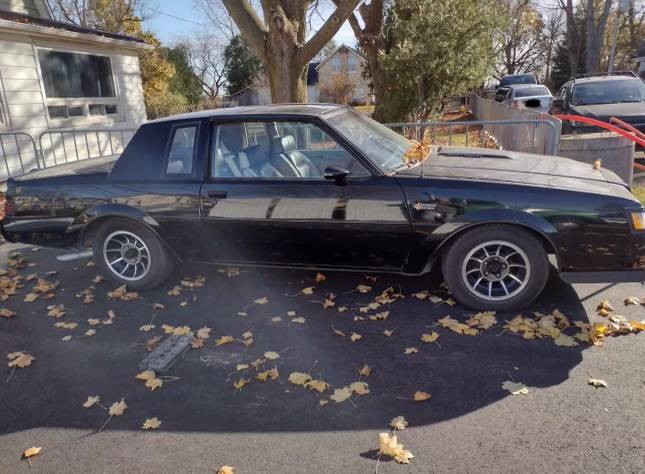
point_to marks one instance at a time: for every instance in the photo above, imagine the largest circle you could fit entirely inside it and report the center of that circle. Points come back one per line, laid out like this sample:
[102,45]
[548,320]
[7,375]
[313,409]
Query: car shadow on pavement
[462,373]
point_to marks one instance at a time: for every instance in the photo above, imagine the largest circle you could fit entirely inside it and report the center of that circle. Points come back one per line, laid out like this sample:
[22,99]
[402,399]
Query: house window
[335,63]
[77,84]
[352,64]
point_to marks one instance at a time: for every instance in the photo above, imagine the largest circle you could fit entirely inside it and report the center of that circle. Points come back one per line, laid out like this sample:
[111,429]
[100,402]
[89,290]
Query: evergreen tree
[184,82]
[242,65]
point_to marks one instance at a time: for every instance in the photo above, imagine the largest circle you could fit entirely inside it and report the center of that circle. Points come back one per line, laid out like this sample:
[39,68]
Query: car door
[267,201]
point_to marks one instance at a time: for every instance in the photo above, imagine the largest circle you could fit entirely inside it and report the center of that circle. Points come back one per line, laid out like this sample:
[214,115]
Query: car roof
[316,110]
[519,75]
[584,80]
[525,86]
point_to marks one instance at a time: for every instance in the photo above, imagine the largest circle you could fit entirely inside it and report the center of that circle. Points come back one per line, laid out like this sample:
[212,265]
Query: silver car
[534,97]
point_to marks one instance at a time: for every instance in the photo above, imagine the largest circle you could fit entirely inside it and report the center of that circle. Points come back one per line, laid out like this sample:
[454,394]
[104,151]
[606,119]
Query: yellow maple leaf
[118,408]
[390,446]
[91,401]
[365,371]
[7,313]
[380,316]
[31,297]
[272,374]
[56,311]
[318,385]
[299,378]
[203,333]
[398,423]
[430,337]
[420,396]
[597,383]
[154,383]
[146,375]
[239,384]
[341,394]
[224,340]
[226,470]
[271,355]
[151,424]
[359,388]
[564,340]
[308,291]
[181,331]
[516,388]
[31,452]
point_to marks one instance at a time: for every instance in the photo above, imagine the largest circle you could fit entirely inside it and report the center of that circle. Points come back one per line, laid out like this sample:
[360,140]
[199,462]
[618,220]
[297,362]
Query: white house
[57,76]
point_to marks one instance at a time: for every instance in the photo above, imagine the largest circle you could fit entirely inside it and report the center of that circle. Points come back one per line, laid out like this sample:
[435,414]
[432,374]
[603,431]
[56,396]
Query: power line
[178,17]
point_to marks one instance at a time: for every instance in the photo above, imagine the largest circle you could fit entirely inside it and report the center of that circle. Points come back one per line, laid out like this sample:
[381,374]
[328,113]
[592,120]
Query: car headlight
[638,219]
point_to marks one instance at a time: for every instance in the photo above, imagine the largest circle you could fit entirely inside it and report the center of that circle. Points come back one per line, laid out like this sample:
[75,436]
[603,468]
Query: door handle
[217,194]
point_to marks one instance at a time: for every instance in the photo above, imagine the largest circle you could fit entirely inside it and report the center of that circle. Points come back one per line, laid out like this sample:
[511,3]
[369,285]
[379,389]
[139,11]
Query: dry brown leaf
[31,452]
[299,320]
[338,332]
[20,359]
[364,288]
[90,332]
[67,338]
[154,383]
[197,343]
[240,367]
[564,340]
[318,385]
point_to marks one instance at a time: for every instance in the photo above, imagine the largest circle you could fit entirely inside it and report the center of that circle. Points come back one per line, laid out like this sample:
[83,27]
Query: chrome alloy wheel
[496,270]
[126,255]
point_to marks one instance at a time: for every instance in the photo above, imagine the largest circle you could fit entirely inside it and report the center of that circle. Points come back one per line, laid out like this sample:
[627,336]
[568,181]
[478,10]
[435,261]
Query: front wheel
[497,267]
[131,254]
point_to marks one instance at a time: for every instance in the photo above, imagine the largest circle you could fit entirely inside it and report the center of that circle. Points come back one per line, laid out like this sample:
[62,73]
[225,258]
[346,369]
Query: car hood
[630,112]
[518,168]
[89,166]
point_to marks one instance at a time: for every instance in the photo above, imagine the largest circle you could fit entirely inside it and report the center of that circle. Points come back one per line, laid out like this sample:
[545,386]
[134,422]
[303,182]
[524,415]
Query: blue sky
[174,19]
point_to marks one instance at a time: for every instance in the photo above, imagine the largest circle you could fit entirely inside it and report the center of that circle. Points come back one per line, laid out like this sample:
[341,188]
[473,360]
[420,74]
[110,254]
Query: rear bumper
[634,276]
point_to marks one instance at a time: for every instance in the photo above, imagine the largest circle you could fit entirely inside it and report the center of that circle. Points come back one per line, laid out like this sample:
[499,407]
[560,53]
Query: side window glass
[278,150]
[182,151]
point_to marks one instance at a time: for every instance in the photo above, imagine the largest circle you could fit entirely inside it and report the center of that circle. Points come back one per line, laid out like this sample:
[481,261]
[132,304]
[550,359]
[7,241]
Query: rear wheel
[131,254]
[500,268]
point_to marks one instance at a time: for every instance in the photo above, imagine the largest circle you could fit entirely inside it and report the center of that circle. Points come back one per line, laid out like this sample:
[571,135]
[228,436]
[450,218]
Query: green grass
[639,192]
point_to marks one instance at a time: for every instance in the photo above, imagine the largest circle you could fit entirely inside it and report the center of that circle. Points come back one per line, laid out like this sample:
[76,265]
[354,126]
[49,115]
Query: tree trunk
[288,82]
[595,34]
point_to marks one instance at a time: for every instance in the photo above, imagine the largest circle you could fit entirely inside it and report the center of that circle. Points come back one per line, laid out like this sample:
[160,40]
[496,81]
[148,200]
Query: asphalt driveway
[470,423]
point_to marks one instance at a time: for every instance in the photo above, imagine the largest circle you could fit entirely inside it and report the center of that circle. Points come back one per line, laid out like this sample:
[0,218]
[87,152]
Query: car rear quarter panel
[586,232]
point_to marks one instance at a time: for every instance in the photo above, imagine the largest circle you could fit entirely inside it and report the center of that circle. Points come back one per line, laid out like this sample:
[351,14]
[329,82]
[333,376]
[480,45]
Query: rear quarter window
[181,152]
[143,157]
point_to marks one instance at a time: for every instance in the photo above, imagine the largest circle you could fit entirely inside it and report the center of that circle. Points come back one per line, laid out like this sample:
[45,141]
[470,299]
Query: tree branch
[249,24]
[327,31]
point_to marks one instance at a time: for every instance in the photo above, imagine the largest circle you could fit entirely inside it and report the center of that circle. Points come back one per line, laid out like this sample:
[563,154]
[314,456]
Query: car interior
[277,150]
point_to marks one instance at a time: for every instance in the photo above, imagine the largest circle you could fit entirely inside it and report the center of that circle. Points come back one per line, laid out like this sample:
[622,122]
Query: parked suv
[601,97]
[510,80]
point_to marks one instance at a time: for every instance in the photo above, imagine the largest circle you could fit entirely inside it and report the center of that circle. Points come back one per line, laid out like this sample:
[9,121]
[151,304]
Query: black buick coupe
[314,186]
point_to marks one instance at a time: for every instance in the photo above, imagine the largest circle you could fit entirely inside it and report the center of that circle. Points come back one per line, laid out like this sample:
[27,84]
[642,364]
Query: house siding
[25,104]
[326,72]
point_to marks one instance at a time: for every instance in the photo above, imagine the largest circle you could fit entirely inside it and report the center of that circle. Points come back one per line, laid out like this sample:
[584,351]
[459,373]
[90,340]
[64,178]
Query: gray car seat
[291,162]
[252,161]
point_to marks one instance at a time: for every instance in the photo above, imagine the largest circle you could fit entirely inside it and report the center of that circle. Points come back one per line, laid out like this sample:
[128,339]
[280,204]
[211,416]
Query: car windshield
[382,146]
[520,79]
[609,92]
[531,91]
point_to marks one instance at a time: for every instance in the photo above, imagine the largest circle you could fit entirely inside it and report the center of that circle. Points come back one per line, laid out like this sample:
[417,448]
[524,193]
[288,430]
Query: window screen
[73,75]
[180,156]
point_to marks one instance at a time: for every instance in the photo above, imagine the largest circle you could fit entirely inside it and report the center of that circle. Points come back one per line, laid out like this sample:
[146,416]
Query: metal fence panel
[18,154]
[64,146]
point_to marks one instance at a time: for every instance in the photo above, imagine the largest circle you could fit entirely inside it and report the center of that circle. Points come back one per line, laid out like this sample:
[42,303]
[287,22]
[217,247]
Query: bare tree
[280,39]
[339,89]
[595,33]
[207,59]
[111,16]
[552,34]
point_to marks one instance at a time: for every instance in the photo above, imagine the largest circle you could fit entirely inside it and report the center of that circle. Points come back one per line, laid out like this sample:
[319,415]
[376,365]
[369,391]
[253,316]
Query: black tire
[460,279]
[160,262]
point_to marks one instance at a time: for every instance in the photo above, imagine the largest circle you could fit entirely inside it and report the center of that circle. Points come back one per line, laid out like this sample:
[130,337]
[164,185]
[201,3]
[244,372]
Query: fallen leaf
[67,338]
[421,295]
[380,316]
[90,332]
[276,319]
[118,408]
[308,291]
[299,320]
[224,340]
[398,423]
[151,424]
[263,300]
[31,297]
[20,359]
[318,385]
[147,327]
[56,311]
[93,321]
[239,384]
[411,350]
[564,340]
[430,337]
[355,337]
[31,452]
[390,446]
[271,355]
[338,332]
[204,333]
[240,367]
[272,374]
[154,383]
[365,371]
[388,332]
[364,288]
[319,278]
[97,279]
[420,396]
[197,343]
[341,394]
[516,388]
[181,331]
[323,402]
[359,388]
[7,313]
[226,470]
[156,306]
[299,378]
[632,300]
[91,401]
[146,375]
[597,383]
[604,308]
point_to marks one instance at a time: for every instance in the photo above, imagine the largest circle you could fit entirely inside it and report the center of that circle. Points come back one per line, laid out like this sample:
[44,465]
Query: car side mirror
[339,175]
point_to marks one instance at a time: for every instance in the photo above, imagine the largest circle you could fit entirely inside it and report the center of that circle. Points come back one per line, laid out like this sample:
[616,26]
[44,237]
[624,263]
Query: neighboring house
[640,60]
[257,93]
[313,92]
[57,76]
[348,62]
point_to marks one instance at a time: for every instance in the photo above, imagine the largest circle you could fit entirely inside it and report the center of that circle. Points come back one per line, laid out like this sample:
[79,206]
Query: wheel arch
[91,221]
[541,229]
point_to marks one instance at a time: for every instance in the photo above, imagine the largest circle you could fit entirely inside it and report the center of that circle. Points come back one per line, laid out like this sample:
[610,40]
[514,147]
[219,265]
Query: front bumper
[633,276]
